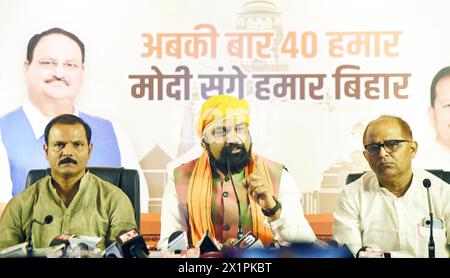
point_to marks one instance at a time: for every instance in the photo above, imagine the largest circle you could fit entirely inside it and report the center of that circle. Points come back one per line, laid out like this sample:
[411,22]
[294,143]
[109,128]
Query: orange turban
[220,108]
[214,111]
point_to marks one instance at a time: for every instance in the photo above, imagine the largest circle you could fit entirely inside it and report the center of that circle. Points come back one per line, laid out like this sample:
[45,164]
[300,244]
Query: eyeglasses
[389,146]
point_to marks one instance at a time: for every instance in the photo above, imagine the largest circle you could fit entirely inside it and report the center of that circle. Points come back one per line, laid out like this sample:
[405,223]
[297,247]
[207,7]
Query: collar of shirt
[412,188]
[237,178]
[83,185]
[37,120]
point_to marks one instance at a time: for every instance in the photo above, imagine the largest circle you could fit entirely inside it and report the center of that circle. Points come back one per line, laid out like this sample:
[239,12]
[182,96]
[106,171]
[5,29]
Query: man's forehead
[67,130]
[230,123]
[384,129]
[58,44]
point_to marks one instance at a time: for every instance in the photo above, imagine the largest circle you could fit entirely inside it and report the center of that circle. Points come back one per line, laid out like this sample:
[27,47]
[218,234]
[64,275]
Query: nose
[382,152]
[68,150]
[232,137]
[58,71]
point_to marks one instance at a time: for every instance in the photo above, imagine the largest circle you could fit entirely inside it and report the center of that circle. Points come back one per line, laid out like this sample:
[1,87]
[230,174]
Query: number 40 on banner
[307,41]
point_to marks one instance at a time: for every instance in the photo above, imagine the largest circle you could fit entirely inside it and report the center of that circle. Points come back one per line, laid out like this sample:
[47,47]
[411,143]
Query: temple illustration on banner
[334,179]
[260,16]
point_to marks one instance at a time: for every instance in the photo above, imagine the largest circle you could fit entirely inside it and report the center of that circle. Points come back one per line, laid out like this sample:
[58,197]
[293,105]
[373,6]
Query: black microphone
[47,220]
[113,251]
[240,233]
[248,241]
[61,239]
[208,247]
[132,244]
[372,252]
[431,249]
[178,242]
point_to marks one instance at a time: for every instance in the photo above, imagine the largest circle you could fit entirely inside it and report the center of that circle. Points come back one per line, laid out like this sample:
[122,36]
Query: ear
[431,116]
[26,65]
[413,148]
[90,149]
[46,151]
[366,155]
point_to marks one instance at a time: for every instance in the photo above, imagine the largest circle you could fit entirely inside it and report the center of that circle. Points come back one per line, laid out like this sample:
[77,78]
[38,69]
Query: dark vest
[225,214]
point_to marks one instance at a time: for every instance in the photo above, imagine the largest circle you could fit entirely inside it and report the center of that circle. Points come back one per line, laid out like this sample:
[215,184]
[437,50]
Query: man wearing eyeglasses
[54,69]
[387,209]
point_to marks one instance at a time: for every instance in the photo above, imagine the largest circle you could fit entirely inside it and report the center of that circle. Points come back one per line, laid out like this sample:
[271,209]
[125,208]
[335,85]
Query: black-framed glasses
[388,145]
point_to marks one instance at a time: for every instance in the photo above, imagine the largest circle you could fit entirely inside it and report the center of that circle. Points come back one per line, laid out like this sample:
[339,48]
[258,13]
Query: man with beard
[76,201]
[387,209]
[229,191]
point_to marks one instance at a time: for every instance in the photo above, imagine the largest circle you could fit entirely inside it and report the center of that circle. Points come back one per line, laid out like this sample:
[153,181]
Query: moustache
[383,161]
[66,161]
[57,79]
[227,151]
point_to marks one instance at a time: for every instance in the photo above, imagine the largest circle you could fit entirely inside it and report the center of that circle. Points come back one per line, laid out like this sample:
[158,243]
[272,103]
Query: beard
[238,161]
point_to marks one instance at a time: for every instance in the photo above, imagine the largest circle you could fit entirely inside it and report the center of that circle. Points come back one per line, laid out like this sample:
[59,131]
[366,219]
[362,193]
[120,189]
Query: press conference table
[322,225]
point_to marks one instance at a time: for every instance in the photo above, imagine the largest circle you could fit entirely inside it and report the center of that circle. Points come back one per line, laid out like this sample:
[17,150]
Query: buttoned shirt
[38,122]
[370,215]
[99,209]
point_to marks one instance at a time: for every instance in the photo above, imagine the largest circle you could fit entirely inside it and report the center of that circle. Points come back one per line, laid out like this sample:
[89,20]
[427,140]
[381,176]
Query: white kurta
[369,215]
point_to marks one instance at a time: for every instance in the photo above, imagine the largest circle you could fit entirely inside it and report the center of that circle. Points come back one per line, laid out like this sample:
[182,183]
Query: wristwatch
[272,211]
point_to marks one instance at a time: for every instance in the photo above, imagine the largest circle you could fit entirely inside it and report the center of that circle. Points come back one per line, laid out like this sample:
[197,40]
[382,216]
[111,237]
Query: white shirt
[290,227]
[370,215]
[38,122]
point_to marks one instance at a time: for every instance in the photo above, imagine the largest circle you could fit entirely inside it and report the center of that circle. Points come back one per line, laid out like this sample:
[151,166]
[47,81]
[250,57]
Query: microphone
[75,246]
[431,249]
[47,220]
[113,251]
[61,239]
[372,252]
[240,233]
[208,247]
[178,242]
[132,244]
[248,241]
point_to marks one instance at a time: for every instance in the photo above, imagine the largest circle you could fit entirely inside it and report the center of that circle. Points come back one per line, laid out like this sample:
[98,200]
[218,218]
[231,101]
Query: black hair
[37,37]
[68,119]
[441,74]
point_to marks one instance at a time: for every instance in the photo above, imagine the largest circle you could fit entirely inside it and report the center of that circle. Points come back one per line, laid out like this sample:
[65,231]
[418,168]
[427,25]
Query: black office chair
[443,175]
[125,179]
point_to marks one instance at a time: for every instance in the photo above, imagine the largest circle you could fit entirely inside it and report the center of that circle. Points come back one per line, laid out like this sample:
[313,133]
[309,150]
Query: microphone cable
[240,233]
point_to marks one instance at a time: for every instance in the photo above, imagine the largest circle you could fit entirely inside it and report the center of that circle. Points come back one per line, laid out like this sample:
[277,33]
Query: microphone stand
[48,219]
[29,240]
[431,247]
[240,233]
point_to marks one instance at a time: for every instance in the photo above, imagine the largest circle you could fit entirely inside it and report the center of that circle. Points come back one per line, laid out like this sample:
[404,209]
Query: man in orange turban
[229,191]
